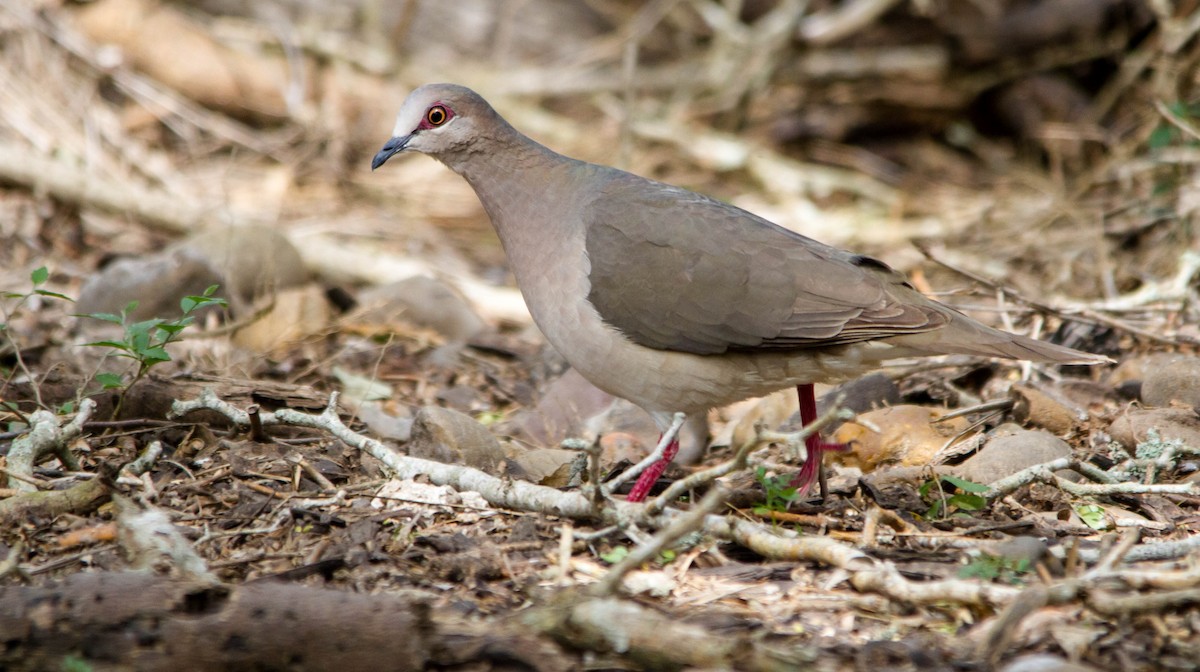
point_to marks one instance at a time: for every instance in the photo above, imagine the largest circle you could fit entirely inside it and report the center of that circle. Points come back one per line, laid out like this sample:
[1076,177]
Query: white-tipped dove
[676,301]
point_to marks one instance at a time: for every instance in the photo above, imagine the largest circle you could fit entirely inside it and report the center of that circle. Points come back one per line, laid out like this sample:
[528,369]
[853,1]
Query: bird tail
[964,336]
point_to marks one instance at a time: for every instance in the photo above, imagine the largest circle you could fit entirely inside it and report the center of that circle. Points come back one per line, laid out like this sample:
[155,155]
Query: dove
[676,301]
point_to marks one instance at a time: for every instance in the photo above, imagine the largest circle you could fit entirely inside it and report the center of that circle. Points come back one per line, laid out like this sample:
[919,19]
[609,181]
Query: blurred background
[149,149]
[1051,146]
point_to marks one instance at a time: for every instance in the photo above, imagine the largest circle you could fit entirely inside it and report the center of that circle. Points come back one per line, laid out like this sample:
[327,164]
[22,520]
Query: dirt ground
[357,450]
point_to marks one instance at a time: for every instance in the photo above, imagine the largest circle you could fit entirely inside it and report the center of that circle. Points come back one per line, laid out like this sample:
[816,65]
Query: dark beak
[391,147]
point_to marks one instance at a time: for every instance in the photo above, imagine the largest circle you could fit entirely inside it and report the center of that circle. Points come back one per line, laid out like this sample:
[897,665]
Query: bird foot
[647,479]
[813,448]
[811,471]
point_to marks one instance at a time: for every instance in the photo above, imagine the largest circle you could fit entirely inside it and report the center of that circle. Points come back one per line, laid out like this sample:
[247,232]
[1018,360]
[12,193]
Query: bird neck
[518,181]
[532,196]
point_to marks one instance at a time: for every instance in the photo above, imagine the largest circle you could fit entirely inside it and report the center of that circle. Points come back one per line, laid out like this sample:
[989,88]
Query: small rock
[248,262]
[156,282]
[1171,379]
[254,261]
[1010,449]
[908,437]
[1171,424]
[1034,407]
[422,301]
[454,438]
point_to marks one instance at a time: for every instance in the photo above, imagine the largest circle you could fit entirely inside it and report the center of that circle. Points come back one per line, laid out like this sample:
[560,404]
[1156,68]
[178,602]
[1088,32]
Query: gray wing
[674,270]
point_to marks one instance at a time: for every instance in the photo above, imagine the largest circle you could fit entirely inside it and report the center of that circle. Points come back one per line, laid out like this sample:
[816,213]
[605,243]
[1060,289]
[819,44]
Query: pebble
[448,436]
[1169,379]
[422,301]
[1010,449]
[1135,426]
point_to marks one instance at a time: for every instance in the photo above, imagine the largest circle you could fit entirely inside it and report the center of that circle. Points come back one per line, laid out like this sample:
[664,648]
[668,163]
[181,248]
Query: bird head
[435,119]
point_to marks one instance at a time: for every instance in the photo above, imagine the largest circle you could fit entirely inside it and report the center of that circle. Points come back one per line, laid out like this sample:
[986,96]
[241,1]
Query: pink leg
[815,445]
[650,476]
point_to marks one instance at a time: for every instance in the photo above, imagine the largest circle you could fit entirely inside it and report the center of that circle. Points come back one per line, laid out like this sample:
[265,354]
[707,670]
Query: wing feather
[675,270]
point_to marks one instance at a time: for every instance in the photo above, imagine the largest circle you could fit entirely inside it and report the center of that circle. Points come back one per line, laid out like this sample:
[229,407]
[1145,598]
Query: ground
[363,436]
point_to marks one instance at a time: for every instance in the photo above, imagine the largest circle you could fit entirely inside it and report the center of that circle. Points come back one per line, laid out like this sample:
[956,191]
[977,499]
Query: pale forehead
[414,107]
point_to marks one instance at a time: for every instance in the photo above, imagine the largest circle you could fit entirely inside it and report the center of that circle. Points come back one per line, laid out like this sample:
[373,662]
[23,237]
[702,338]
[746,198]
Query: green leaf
[104,317]
[154,355]
[963,484]
[487,418]
[119,345]
[1161,137]
[934,512]
[966,502]
[617,554]
[53,295]
[145,326]
[40,275]
[926,487]
[1093,516]
[110,381]
[191,303]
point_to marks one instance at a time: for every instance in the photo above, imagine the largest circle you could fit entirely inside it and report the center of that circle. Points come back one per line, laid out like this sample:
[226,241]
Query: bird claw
[813,449]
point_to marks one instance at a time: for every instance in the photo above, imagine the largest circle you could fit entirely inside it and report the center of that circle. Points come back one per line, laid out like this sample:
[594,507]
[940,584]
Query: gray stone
[1010,450]
[454,438]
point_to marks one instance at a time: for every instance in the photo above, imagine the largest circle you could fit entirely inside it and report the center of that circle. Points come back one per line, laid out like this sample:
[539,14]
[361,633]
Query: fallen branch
[80,500]
[45,437]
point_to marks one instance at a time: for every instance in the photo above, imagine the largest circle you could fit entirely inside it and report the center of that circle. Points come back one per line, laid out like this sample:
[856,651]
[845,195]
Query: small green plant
[37,278]
[996,568]
[145,342]
[779,490]
[963,497]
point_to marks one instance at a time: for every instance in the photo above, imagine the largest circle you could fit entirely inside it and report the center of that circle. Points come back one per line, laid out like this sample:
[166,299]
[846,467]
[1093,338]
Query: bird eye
[436,116]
